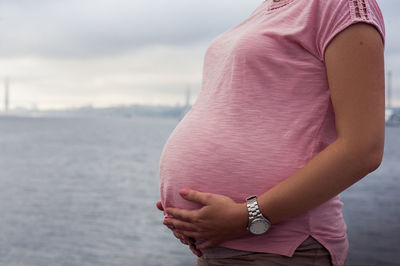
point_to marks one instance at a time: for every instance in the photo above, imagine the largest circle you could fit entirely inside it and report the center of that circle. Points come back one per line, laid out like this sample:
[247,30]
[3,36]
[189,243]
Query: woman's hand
[218,220]
[184,240]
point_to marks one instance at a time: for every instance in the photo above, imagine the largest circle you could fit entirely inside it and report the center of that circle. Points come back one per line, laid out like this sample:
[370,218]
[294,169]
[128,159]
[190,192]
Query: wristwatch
[258,224]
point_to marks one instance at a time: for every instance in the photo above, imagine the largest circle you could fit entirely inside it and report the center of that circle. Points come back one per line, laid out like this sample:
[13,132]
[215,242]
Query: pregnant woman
[290,114]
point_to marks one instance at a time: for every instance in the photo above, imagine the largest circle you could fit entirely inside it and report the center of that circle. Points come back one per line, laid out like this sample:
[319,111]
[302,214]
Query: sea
[82,191]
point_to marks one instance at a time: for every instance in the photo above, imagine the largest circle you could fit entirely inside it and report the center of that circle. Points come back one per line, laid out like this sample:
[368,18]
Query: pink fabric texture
[263,112]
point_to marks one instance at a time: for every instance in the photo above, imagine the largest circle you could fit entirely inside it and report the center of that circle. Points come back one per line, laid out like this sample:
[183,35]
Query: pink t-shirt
[263,112]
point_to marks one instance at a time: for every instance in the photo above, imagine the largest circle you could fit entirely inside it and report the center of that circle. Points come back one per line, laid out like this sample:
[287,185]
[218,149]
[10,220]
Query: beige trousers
[309,253]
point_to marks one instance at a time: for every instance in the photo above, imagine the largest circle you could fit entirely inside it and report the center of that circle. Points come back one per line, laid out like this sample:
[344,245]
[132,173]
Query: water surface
[81,191]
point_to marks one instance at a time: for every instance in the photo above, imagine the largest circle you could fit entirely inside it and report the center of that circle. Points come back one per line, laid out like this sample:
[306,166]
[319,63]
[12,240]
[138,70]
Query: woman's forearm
[330,172]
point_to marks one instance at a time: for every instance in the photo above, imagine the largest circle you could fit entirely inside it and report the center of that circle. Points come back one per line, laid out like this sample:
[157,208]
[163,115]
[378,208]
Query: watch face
[259,226]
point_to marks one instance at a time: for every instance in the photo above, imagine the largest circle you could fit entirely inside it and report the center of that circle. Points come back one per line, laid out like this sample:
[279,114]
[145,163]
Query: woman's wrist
[242,217]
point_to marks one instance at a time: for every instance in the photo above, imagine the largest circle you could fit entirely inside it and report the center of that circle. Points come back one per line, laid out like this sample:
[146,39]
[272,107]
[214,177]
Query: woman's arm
[355,69]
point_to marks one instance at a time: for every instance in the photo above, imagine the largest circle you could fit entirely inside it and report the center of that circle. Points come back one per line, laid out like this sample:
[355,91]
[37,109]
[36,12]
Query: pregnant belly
[214,157]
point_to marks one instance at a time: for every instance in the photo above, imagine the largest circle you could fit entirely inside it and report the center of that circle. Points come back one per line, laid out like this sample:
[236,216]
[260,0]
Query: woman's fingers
[196,196]
[188,241]
[184,240]
[179,225]
[176,234]
[192,234]
[195,250]
[205,244]
[159,206]
[182,214]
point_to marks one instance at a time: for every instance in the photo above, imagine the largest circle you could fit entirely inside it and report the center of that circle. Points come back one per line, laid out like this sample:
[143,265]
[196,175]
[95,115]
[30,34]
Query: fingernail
[165,222]
[184,191]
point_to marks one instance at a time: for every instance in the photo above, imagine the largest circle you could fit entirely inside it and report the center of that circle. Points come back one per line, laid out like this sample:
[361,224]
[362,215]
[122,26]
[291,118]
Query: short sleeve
[335,16]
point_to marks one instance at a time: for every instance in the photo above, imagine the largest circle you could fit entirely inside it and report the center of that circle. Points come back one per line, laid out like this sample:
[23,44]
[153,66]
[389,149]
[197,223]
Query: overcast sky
[66,53]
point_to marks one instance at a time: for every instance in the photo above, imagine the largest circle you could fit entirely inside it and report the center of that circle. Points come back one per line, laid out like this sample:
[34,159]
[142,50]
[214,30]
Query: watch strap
[254,211]
[252,207]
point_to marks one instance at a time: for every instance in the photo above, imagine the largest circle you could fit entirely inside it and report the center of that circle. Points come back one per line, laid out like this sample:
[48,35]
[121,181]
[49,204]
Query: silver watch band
[252,206]
[258,224]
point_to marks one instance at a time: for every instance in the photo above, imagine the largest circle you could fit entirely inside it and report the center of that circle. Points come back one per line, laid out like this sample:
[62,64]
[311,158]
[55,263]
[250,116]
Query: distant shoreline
[176,111]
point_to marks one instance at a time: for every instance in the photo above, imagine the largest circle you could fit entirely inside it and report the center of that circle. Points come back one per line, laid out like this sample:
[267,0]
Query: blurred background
[90,91]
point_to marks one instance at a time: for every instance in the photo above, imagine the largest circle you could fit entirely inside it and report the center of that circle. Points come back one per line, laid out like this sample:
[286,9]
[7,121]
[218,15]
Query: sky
[71,53]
